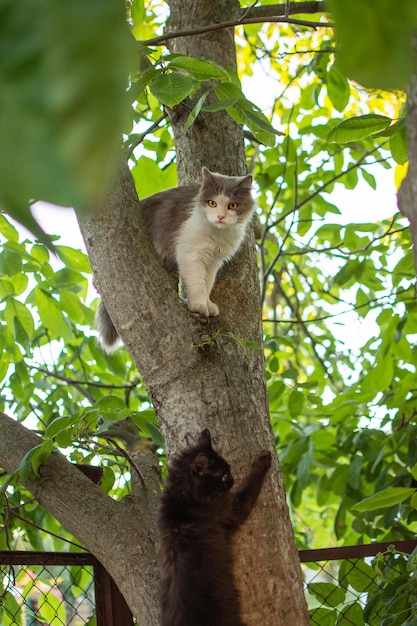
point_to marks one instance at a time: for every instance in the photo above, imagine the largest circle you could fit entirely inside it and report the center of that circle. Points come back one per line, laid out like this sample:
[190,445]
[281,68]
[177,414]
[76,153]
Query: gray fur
[192,238]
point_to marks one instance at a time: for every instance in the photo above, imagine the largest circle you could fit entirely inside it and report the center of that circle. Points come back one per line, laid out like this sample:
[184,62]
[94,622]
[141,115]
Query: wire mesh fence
[374,585]
[55,594]
[58,589]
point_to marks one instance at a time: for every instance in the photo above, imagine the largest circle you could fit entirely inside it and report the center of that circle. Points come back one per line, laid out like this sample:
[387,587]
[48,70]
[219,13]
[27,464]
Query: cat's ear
[246,182]
[200,465]
[207,176]
[204,440]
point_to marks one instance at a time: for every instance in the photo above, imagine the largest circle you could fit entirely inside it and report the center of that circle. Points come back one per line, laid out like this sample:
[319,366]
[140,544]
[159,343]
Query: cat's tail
[107,334]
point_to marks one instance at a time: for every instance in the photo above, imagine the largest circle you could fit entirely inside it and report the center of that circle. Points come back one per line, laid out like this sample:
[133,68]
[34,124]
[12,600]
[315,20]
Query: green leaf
[6,484]
[357,128]
[380,376]
[8,230]
[33,460]
[327,593]
[351,614]
[51,608]
[322,616]
[16,310]
[51,315]
[143,81]
[110,402]
[196,110]
[361,576]
[295,403]
[199,69]
[108,479]
[355,469]
[155,434]
[219,105]
[40,253]
[338,88]
[4,365]
[385,498]
[10,262]
[74,259]
[398,145]
[150,178]
[303,468]
[57,425]
[370,179]
[246,113]
[171,88]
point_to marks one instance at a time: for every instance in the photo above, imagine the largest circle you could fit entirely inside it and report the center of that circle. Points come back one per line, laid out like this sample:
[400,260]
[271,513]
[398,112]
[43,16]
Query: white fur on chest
[208,238]
[203,239]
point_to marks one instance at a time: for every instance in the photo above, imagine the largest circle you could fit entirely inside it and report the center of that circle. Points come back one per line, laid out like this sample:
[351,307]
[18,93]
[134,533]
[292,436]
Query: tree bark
[198,374]
[120,534]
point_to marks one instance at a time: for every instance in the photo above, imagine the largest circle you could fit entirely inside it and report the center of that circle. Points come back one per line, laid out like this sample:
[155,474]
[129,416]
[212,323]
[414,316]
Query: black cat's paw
[263,461]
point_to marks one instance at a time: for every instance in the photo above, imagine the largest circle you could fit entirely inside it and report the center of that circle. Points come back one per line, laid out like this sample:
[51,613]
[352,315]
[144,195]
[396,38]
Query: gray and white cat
[195,230]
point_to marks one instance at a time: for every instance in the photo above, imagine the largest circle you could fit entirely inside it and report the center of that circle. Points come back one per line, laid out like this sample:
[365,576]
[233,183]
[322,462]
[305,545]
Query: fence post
[111,607]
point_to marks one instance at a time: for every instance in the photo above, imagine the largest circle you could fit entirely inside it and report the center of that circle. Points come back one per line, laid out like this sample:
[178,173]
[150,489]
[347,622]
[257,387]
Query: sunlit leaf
[33,460]
[338,88]
[385,498]
[171,88]
[357,128]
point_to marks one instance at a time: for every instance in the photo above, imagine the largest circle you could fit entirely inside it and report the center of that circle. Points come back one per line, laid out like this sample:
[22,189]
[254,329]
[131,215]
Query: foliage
[376,45]
[63,106]
[343,410]
[364,592]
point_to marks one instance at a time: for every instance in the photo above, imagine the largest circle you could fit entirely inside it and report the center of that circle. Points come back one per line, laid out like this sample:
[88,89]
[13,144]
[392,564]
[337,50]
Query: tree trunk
[199,374]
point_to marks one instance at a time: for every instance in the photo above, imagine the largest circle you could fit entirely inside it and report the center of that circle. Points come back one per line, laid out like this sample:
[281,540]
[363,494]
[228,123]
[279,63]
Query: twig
[48,532]
[156,41]
[128,458]
[89,383]
[141,137]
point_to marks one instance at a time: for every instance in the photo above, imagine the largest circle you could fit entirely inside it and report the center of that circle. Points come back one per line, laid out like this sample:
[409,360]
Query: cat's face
[211,475]
[226,200]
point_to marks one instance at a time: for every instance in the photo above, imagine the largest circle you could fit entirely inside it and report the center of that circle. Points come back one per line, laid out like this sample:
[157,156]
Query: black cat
[197,518]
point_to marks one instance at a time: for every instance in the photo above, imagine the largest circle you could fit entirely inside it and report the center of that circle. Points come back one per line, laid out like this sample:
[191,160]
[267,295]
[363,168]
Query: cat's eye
[232,206]
[212,203]
[225,478]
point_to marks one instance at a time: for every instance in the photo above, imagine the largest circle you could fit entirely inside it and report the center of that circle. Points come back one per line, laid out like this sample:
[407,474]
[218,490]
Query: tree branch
[162,39]
[105,527]
[286,9]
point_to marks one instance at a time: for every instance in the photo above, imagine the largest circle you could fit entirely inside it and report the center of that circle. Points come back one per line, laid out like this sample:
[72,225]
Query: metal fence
[372,585]
[58,589]
[365,585]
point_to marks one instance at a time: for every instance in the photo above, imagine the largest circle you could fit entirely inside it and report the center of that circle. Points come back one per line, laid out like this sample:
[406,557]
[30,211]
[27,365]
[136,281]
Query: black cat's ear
[204,440]
[207,176]
[200,465]
[246,182]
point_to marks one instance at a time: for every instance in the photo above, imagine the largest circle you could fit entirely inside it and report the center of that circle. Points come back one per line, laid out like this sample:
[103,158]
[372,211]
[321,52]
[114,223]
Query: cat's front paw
[263,461]
[205,309]
[199,308]
[213,309]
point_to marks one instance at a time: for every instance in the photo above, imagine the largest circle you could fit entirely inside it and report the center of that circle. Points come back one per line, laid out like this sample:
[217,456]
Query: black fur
[197,518]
